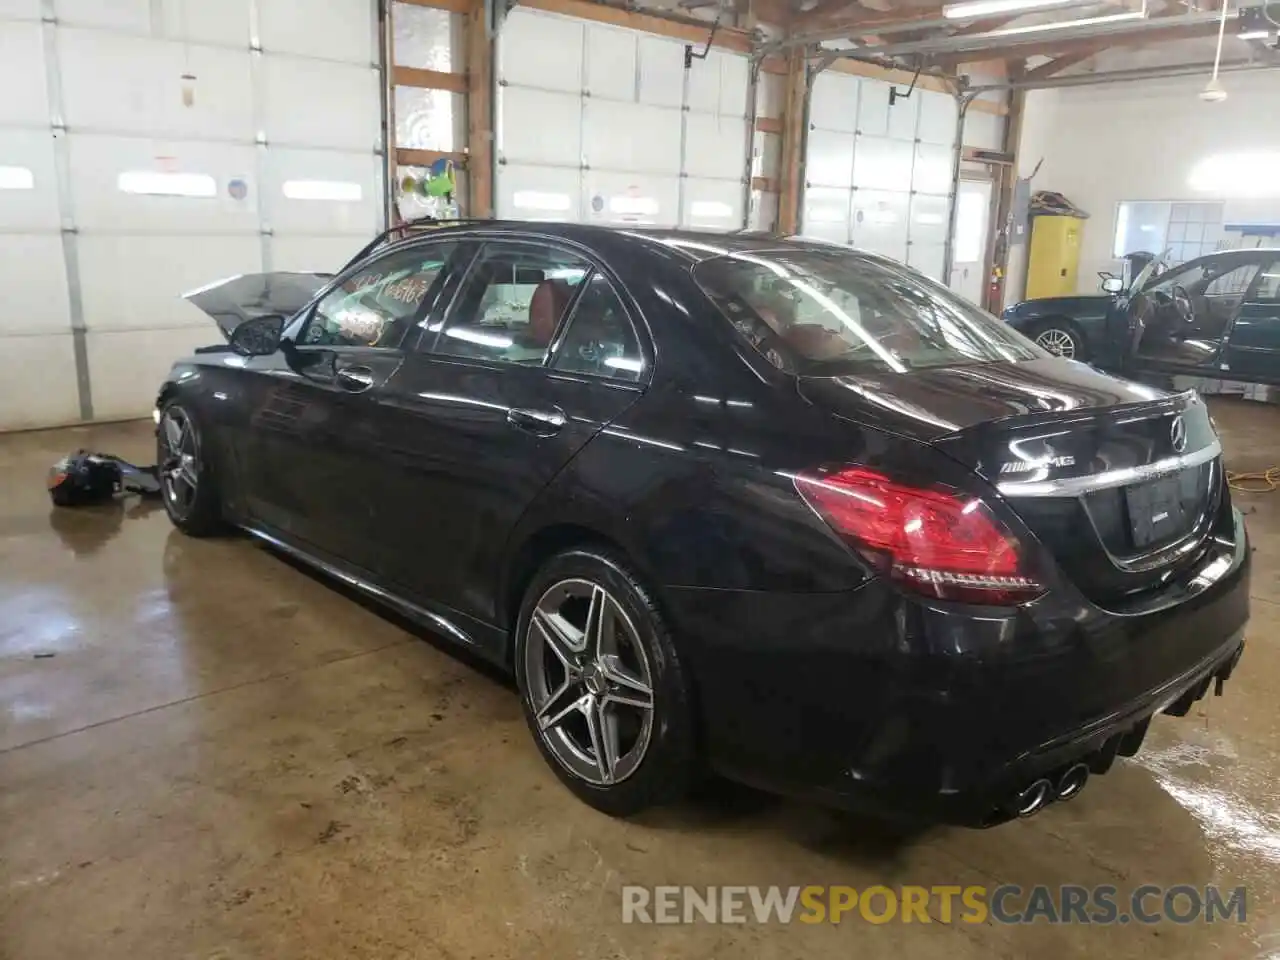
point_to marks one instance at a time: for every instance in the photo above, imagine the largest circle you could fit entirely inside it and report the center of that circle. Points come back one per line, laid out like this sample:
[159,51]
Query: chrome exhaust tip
[1073,781]
[1033,798]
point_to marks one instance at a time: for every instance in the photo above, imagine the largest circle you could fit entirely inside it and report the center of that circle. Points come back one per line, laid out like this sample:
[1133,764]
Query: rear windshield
[819,311]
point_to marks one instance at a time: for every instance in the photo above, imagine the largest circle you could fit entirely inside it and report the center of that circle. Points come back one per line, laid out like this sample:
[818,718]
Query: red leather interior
[545,307]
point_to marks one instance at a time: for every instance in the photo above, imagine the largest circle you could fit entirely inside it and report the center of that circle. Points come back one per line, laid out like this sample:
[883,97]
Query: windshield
[807,308]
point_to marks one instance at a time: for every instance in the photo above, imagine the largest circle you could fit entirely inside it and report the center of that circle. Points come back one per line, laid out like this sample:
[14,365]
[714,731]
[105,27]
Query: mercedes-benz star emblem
[1178,434]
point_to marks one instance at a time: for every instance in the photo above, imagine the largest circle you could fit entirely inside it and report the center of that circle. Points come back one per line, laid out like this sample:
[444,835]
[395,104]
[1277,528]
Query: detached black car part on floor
[780,507]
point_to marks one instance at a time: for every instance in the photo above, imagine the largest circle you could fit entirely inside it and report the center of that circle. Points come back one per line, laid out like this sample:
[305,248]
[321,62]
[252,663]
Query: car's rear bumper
[869,700]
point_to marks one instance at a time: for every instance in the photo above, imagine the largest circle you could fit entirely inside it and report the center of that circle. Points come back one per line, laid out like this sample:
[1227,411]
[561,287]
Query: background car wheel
[187,485]
[602,687]
[1061,339]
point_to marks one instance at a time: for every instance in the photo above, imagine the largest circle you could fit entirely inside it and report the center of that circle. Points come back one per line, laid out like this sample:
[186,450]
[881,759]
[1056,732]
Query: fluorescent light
[990,8]
[537,200]
[710,208]
[16,178]
[634,206]
[1254,35]
[929,219]
[154,183]
[1067,24]
[340,190]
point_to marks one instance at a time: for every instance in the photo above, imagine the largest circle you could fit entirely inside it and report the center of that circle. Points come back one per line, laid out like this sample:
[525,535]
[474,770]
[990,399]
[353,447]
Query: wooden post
[1004,202]
[794,104]
[479,113]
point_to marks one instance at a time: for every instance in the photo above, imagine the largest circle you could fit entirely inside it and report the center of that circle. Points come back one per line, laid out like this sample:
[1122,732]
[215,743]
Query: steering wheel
[1182,302]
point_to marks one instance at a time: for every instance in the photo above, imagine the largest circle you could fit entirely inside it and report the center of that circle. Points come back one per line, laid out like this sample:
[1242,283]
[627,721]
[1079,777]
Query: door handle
[354,379]
[543,422]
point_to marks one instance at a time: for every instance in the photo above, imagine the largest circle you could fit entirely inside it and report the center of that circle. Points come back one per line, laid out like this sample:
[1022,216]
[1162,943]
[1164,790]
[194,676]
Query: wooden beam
[1029,45]
[791,183]
[764,184]
[1058,65]
[774,65]
[429,79]
[768,125]
[855,17]
[727,38]
[479,112]
[408,157]
[453,6]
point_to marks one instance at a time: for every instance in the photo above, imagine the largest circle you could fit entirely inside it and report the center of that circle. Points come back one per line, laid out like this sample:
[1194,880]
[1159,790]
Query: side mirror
[1112,284]
[259,336]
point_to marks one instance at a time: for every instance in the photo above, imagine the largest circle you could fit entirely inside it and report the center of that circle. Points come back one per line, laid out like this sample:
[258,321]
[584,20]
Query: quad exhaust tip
[1031,800]
[1072,782]
[1040,793]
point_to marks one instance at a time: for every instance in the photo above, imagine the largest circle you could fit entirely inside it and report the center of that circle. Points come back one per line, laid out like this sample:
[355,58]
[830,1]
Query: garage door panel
[27,168]
[937,117]
[350,116]
[928,219]
[927,258]
[39,374]
[541,50]
[718,84]
[24,99]
[539,193]
[932,172]
[873,108]
[322,191]
[133,16]
[631,136]
[126,367]
[880,222]
[137,282]
[535,126]
[826,213]
[611,63]
[20,9]
[982,129]
[130,85]
[829,158]
[661,71]
[764,210]
[882,164]
[714,146]
[313,254]
[326,29]
[712,204]
[625,198]
[33,276]
[903,115]
[97,163]
[835,102]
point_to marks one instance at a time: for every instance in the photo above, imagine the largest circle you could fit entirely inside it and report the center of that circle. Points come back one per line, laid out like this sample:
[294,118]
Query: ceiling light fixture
[1068,24]
[992,8]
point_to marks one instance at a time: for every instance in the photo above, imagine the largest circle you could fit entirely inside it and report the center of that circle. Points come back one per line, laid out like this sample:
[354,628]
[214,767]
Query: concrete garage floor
[206,752]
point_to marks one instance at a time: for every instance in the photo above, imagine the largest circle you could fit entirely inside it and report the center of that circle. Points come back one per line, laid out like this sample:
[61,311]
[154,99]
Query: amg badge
[1025,466]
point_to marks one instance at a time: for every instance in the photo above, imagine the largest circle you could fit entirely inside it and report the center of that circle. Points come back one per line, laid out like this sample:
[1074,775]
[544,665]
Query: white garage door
[603,124]
[151,146]
[879,177]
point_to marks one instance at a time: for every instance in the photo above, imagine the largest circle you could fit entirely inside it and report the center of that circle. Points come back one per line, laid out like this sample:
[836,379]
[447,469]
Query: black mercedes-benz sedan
[777,509]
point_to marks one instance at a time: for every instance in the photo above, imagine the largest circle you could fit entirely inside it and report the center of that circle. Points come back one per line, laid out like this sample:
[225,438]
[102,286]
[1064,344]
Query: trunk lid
[234,300]
[1119,482]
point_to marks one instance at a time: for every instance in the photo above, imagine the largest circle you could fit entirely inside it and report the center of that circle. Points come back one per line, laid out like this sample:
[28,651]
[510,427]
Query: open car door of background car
[1253,345]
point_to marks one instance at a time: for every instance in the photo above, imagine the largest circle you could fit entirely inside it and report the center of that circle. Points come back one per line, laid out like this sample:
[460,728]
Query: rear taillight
[935,542]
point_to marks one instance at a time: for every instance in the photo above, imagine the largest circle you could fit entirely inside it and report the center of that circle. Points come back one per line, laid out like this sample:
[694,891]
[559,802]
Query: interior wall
[1105,143]
[148,147]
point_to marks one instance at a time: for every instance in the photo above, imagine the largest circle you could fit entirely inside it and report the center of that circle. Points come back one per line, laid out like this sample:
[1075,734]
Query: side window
[1233,283]
[600,339]
[512,303]
[375,305]
[1269,284]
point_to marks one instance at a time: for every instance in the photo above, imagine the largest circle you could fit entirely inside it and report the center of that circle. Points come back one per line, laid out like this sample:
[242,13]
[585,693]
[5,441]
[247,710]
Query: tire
[565,680]
[1061,338]
[188,485]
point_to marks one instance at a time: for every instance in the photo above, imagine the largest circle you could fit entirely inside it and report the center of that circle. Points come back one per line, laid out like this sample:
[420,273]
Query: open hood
[233,301]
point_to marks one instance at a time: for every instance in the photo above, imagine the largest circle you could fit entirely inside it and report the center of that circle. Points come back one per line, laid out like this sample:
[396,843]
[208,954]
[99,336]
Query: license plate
[1156,510]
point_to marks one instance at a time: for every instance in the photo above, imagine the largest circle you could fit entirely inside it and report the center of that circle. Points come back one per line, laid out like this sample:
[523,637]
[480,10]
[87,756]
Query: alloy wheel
[590,685]
[179,463]
[1058,342]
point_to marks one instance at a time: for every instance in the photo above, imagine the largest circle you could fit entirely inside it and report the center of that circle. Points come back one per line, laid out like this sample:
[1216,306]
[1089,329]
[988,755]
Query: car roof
[696,245]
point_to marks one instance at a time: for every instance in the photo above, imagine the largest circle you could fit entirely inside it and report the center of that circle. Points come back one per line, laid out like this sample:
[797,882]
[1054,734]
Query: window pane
[375,305]
[837,308]
[600,339]
[1269,285]
[512,303]
[1234,282]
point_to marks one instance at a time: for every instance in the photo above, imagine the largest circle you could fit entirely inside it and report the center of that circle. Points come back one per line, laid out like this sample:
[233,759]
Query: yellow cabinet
[1054,257]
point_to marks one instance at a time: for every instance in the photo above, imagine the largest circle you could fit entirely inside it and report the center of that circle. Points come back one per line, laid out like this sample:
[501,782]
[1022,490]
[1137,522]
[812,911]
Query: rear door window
[807,309]
[600,340]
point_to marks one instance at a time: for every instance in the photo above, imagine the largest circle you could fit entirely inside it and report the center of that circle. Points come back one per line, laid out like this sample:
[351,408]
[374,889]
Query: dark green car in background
[1217,316]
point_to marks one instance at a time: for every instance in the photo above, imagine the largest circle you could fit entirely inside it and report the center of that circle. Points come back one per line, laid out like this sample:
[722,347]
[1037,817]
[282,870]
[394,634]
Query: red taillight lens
[932,541]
